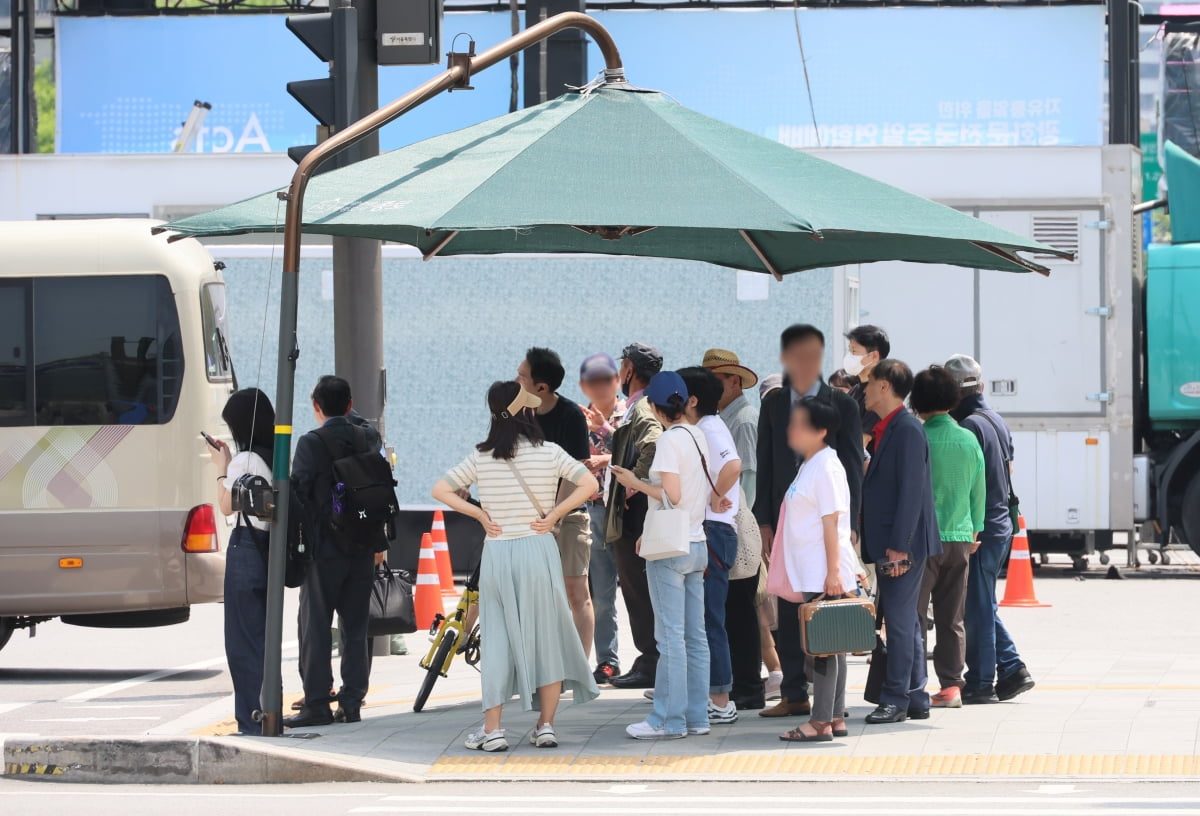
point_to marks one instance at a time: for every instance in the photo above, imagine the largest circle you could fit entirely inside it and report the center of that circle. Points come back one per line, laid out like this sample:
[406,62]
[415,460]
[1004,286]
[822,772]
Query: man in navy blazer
[900,531]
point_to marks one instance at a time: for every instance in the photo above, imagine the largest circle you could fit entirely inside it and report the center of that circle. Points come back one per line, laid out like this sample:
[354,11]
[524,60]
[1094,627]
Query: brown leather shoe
[786,709]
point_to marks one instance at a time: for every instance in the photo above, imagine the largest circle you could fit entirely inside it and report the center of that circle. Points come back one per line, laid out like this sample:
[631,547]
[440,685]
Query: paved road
[72,680]
[859,798]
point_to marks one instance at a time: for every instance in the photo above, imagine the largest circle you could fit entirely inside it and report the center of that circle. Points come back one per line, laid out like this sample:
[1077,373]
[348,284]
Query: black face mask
[625,385]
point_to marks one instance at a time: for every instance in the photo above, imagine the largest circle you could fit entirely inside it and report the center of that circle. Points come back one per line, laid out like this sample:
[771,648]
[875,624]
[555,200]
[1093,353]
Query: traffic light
[333,37]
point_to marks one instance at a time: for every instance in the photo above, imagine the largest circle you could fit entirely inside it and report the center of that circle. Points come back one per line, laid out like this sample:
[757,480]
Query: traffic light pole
[462,67]
[358,262]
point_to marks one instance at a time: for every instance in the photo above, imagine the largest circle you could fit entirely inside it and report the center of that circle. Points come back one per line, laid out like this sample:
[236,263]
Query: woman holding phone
[251,420]
[529,642]
[814,532]
[677,479]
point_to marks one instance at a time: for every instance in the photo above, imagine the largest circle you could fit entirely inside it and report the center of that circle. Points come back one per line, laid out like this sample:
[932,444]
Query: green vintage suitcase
[837,627]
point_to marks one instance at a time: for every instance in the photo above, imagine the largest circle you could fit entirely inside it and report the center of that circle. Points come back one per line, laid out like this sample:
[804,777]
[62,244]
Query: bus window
[14,360]
[218,363]
[118,364]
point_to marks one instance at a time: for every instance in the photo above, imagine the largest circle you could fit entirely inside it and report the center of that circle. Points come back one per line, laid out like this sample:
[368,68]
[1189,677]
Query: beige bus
[112,360]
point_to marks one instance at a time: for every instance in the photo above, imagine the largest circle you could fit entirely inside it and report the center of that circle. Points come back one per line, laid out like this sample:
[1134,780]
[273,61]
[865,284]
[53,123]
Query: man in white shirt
[741,607]
[724,470]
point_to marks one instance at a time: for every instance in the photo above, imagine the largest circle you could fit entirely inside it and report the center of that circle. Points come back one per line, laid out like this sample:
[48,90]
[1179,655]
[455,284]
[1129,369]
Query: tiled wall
[452,326]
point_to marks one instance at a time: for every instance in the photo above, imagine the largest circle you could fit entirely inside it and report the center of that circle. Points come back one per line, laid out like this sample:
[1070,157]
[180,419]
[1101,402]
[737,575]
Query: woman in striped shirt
[528,639]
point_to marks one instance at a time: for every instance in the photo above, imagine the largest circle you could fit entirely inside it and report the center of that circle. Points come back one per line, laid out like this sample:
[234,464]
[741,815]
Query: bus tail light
[200,530]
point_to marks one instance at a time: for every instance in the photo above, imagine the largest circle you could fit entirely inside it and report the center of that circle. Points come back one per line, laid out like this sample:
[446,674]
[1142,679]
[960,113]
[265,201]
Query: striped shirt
[502,495]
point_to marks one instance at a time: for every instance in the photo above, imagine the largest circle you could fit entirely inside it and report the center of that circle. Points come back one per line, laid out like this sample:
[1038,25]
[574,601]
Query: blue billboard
[907,76]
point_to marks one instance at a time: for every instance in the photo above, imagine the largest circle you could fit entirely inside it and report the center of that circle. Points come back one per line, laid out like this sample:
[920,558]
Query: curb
[181,761]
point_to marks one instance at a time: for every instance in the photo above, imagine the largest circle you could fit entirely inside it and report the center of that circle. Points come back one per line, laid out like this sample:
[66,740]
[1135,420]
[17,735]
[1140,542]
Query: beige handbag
[749,549]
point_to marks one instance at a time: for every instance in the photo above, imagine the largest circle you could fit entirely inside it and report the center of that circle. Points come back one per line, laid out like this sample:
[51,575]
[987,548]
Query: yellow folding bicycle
[451,636]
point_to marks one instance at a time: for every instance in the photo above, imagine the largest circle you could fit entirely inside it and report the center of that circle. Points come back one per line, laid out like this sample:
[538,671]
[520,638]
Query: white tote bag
[665,534]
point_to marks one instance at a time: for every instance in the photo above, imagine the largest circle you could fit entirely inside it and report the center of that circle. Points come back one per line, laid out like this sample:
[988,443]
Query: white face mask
[852,364]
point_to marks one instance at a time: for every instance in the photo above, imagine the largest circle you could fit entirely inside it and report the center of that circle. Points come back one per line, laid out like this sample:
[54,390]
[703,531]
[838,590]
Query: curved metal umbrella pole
[462,67]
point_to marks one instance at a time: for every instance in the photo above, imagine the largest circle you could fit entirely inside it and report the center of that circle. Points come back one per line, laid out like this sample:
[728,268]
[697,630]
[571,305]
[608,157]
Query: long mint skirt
[528,636]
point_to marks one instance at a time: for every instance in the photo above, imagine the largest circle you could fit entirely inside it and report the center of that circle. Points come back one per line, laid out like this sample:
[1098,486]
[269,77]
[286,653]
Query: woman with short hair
[677,479]
[813,538]
[529,644]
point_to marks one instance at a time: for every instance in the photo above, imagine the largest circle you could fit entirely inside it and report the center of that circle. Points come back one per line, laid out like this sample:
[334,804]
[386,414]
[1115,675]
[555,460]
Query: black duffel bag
[392,610]
[877,671]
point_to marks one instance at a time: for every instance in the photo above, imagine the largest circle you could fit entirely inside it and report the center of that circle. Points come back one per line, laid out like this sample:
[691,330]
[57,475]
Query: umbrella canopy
[621,171]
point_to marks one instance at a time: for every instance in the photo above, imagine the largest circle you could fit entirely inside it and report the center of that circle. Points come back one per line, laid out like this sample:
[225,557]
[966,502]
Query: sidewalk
[1117,665]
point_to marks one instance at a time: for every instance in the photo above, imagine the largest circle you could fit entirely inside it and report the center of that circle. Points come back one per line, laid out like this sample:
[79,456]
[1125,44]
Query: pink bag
[778,583]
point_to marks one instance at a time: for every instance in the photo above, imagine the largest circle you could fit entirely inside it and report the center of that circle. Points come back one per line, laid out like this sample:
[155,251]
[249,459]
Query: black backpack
[363,496]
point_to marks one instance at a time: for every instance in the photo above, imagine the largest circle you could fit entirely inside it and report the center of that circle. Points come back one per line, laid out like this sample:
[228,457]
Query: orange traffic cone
[427,600]
[441,551]
[1018,589]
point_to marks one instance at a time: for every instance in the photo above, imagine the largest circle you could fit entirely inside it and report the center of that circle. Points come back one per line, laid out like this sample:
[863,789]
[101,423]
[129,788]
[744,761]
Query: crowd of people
[873,481]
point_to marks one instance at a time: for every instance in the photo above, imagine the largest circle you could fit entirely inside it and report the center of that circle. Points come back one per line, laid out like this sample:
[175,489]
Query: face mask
[853,364]
[625,385]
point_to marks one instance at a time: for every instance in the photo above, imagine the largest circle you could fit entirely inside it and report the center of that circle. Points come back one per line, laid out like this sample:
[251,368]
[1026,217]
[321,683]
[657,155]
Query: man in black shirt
[563,423]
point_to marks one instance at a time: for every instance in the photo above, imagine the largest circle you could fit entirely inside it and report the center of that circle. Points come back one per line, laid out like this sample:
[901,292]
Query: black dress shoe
[634,680]
[348,713]
[979,696]
[918,713]
[1014,684]
[887,714]
[750,703]
[309,717]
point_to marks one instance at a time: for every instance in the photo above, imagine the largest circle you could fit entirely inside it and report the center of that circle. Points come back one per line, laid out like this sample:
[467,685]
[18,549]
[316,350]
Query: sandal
[843,731]
[798,734]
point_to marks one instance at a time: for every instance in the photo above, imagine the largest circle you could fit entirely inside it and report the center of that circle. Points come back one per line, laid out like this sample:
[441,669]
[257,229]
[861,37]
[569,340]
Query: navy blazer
[898,512]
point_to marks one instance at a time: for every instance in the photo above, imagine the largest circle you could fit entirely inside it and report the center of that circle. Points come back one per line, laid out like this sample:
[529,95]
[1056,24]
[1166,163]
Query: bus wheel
[1190,512]
[7,627]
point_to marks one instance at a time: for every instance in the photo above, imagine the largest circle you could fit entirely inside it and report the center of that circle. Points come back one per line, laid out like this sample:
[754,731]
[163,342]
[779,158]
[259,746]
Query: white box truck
[1060,354]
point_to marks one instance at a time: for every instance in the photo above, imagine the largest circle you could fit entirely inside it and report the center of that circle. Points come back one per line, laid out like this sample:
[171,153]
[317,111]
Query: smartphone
[212,443]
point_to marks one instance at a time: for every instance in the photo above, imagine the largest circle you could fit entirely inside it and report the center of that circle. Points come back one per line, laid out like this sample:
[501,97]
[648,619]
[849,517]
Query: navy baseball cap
[598,367]
[663,386]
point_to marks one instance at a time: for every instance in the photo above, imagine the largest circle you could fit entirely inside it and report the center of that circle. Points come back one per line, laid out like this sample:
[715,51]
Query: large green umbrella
[620,171]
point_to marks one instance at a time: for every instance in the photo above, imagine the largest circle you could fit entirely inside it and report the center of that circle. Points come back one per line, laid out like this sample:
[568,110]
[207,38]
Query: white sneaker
[649,694]
[544,737]
[699,731]
[487,741]
[722,715]
[646,731]
[773,684]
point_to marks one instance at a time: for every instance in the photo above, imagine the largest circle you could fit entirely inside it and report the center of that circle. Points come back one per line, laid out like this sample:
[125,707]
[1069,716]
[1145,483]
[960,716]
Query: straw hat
[726,362]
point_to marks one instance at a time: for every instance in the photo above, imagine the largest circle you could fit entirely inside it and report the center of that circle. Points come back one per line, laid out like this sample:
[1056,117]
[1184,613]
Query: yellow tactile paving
[791,764]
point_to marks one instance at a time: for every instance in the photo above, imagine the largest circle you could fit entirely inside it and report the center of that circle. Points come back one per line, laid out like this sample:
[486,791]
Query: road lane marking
[7,707]
[93,719]
[149,677]
[768,765]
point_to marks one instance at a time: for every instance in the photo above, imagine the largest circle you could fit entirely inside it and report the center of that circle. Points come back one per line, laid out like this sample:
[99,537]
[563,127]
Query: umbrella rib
[1013,258]
[762,256]
[440,245]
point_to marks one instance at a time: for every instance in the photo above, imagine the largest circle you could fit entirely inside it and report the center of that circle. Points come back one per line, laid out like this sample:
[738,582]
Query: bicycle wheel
[444,650]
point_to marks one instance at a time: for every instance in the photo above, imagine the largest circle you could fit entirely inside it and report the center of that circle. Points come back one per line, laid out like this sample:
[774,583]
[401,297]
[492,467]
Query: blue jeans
[722,550]
[681,682]
[991,653]
[602,574]
[246,622]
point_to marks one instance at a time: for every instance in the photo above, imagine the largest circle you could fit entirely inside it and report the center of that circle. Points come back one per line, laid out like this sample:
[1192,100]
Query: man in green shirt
[959,492]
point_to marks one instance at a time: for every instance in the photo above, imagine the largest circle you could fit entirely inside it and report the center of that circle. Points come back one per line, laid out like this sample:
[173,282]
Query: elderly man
[995,670]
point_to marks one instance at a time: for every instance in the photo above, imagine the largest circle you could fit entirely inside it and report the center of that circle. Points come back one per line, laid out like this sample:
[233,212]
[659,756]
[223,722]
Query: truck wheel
[1190,513]
[7,627]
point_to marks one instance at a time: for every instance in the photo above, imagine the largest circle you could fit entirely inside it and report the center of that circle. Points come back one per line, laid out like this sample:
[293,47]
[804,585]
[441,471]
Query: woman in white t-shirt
[251,421]
[676,584]
[529,642]
[817,552]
